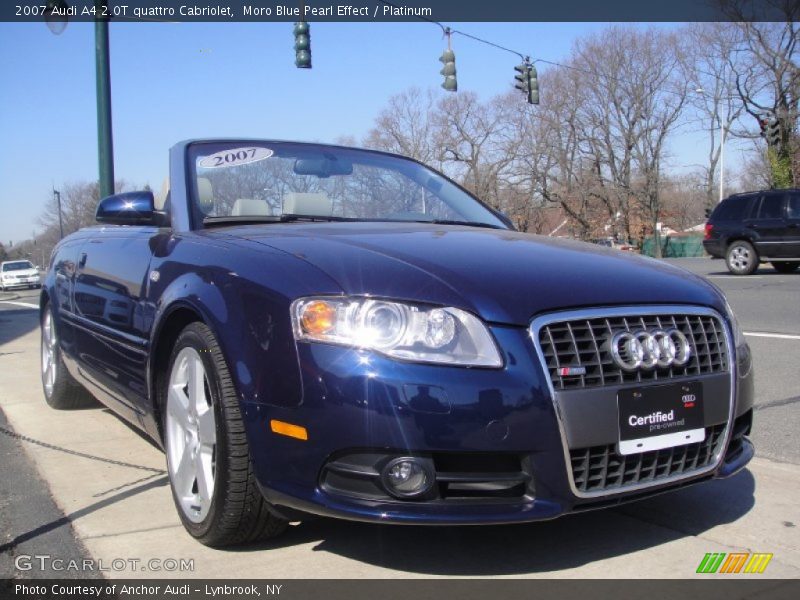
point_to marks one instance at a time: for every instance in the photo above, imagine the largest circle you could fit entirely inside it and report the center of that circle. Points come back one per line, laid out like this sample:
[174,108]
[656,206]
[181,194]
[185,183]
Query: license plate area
[660,416]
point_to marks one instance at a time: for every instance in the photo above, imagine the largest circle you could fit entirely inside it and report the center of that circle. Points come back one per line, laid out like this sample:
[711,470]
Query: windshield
[274,181]
[17,266]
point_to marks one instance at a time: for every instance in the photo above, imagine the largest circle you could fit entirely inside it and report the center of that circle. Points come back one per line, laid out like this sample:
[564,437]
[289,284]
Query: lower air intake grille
[601,469]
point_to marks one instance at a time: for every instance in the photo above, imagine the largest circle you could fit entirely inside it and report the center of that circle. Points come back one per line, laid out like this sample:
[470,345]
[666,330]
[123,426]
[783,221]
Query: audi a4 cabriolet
[312,329]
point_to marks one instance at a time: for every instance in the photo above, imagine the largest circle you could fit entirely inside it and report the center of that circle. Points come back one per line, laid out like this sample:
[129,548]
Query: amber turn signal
[283,428]
[318,317]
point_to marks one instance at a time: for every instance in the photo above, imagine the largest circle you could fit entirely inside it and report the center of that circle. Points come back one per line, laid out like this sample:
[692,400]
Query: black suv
[755,227]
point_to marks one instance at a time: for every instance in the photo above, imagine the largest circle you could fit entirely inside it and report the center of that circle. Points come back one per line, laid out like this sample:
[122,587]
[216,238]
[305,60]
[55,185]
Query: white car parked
[18,273]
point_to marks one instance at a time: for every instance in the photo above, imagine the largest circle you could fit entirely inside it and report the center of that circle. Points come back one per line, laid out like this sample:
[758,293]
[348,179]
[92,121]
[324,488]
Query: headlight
[738,335]
[405,331]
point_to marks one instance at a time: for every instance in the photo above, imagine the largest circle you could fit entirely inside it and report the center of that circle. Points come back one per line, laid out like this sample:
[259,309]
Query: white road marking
[25,304]
[777,336]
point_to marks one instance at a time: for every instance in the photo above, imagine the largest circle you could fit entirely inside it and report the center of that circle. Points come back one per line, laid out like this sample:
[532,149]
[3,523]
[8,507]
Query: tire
[785,266]
[741,258]
[208,458]
[61,391]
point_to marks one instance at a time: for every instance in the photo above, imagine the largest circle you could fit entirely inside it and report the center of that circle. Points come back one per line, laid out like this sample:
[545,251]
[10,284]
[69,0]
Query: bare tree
[78,207]
[406,126]
[713,101]
[478,143]
[768,80]
[635,96]
[755,172]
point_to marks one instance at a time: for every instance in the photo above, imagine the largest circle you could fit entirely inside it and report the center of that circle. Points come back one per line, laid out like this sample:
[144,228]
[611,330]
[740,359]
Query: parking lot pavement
[110,484]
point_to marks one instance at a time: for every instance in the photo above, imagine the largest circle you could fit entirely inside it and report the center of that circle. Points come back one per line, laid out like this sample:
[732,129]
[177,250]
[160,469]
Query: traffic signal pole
[105,141]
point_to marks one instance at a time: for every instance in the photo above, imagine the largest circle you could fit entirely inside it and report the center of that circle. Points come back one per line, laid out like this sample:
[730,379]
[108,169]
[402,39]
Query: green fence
[675,246]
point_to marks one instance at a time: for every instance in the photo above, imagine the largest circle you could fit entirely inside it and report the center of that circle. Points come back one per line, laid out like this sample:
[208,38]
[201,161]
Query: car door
[792,233]
[768,224]
[112,337]
[64,266]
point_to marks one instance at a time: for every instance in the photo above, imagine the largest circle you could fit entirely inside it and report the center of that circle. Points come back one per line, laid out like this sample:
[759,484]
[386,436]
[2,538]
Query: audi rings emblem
[647,350]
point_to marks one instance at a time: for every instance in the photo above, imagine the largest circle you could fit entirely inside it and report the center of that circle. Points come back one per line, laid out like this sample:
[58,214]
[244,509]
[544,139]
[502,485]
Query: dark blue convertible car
[317,329]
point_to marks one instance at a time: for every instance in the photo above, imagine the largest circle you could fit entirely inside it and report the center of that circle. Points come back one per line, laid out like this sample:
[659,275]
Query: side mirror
[129,208]
[708,212]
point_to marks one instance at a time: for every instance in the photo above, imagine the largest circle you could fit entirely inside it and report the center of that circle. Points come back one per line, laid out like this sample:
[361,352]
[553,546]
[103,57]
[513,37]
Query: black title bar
[147,11]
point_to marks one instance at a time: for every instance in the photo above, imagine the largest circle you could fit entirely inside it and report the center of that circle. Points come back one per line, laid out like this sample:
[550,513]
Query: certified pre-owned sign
[660,416]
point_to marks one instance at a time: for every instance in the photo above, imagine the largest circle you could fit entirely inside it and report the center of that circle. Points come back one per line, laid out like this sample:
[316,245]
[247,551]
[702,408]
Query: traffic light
[533,85]
[302,45]
[448,58]
[527,82]
[773,133]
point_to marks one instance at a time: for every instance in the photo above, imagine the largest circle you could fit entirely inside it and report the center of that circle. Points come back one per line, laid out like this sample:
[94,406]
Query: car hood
[22,272]
[504,276]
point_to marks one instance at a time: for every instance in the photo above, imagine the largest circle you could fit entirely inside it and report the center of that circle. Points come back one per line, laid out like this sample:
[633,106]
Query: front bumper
[356,402]
[25,282]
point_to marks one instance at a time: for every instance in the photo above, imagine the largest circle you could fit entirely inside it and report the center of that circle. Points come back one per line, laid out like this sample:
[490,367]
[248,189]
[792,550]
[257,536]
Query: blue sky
[172,81]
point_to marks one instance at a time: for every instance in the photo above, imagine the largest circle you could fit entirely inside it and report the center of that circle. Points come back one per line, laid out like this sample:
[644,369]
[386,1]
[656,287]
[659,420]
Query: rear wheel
[741,258]
[785,266]
[61,391]
[208,458]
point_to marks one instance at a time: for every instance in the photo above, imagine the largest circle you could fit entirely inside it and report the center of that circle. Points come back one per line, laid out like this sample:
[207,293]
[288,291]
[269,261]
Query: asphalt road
[125,510]
[31,523]
[767,305]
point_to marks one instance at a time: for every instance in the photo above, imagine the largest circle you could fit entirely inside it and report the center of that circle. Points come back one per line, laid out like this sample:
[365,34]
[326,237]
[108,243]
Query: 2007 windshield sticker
[235,157]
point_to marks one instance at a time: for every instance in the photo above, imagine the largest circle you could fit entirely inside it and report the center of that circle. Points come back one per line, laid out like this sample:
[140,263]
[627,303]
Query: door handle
[82,260]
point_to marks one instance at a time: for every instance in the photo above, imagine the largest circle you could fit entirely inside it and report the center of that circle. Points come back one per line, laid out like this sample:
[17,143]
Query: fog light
[408,477]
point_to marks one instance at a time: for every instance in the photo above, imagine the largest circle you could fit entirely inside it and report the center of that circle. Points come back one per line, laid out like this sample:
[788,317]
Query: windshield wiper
[244,219]
[465,223]
[288,218]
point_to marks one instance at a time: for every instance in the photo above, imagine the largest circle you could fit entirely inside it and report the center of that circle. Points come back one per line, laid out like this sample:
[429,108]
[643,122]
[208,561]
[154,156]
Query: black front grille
[602,469]
[585,343]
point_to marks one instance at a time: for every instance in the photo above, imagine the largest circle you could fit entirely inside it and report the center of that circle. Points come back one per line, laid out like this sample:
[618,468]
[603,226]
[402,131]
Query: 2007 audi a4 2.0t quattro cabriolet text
[315,329]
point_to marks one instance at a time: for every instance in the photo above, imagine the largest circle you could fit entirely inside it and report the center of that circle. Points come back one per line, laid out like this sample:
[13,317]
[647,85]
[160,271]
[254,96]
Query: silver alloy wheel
[49,363]
[191,435]
[741,258]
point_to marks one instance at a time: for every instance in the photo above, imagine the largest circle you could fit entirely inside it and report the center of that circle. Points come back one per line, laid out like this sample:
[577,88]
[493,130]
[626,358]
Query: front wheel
[785,266]
[208,458]
[741,258]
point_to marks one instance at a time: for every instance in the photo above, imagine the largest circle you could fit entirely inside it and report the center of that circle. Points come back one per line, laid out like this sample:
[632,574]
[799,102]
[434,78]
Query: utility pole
[57,196]
[722,151]
[105,142]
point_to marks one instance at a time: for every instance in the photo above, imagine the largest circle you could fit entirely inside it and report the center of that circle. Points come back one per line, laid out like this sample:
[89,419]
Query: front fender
[243,294]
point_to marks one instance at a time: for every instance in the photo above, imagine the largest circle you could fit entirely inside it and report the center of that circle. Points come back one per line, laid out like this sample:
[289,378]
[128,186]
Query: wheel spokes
[206,427]
[49,350]
[191,435]
[184,476]
[178,407]
[204,472]
[196,380]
